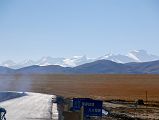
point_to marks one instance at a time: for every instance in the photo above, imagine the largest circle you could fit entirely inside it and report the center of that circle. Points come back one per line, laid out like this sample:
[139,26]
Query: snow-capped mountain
[76,60]
[14,65]
[44,61]
[142,56]
[132,56]
[8,63]
[26,62]
[117,58]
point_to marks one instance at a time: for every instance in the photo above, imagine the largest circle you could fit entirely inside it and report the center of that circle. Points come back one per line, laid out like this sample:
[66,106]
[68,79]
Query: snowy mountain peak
[106,56]
[78,57]
[84,57]
[8,63]
[76,60]
[132,56]
[138,51]
[27,61]
[142,56]
[46,58]
[44,61]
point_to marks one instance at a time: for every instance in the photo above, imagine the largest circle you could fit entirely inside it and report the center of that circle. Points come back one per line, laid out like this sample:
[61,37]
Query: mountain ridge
[95,67]
[132,56]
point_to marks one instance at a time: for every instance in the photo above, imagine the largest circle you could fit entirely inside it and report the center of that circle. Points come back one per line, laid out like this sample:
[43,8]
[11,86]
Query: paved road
[35,106]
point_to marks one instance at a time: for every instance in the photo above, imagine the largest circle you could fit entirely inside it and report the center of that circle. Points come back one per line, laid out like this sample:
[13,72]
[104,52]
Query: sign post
[82,113]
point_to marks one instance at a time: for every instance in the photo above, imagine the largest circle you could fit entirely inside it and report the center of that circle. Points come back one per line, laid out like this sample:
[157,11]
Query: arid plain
[106,87]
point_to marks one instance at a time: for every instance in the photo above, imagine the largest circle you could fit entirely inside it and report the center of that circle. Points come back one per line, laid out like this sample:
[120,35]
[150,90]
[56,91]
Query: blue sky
[63,28]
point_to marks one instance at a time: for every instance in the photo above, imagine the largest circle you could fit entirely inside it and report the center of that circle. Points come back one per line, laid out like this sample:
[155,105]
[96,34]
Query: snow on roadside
[35,106]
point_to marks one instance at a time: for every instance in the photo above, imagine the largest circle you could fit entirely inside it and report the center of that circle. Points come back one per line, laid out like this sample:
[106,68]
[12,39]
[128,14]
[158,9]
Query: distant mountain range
[133,56]
[96,67]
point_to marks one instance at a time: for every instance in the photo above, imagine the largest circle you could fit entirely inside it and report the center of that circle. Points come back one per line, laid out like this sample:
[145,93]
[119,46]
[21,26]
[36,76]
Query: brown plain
[128,87]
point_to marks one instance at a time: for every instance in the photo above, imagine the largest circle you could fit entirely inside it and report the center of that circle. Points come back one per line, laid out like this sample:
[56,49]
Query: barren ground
[128,87]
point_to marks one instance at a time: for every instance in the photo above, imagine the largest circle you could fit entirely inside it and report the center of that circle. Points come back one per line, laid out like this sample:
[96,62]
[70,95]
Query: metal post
[0,116]
[146,104]
[82,113]
[146,99]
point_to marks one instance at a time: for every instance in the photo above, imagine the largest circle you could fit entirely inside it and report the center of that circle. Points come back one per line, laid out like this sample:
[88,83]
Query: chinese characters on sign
[91,107]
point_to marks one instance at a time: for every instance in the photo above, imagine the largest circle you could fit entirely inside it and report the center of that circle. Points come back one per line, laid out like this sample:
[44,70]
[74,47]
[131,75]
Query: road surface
[34,106]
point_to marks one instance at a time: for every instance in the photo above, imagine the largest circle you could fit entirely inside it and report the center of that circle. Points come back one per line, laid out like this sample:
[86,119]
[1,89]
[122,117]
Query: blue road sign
[86,102]
[77,102]
[92,111]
